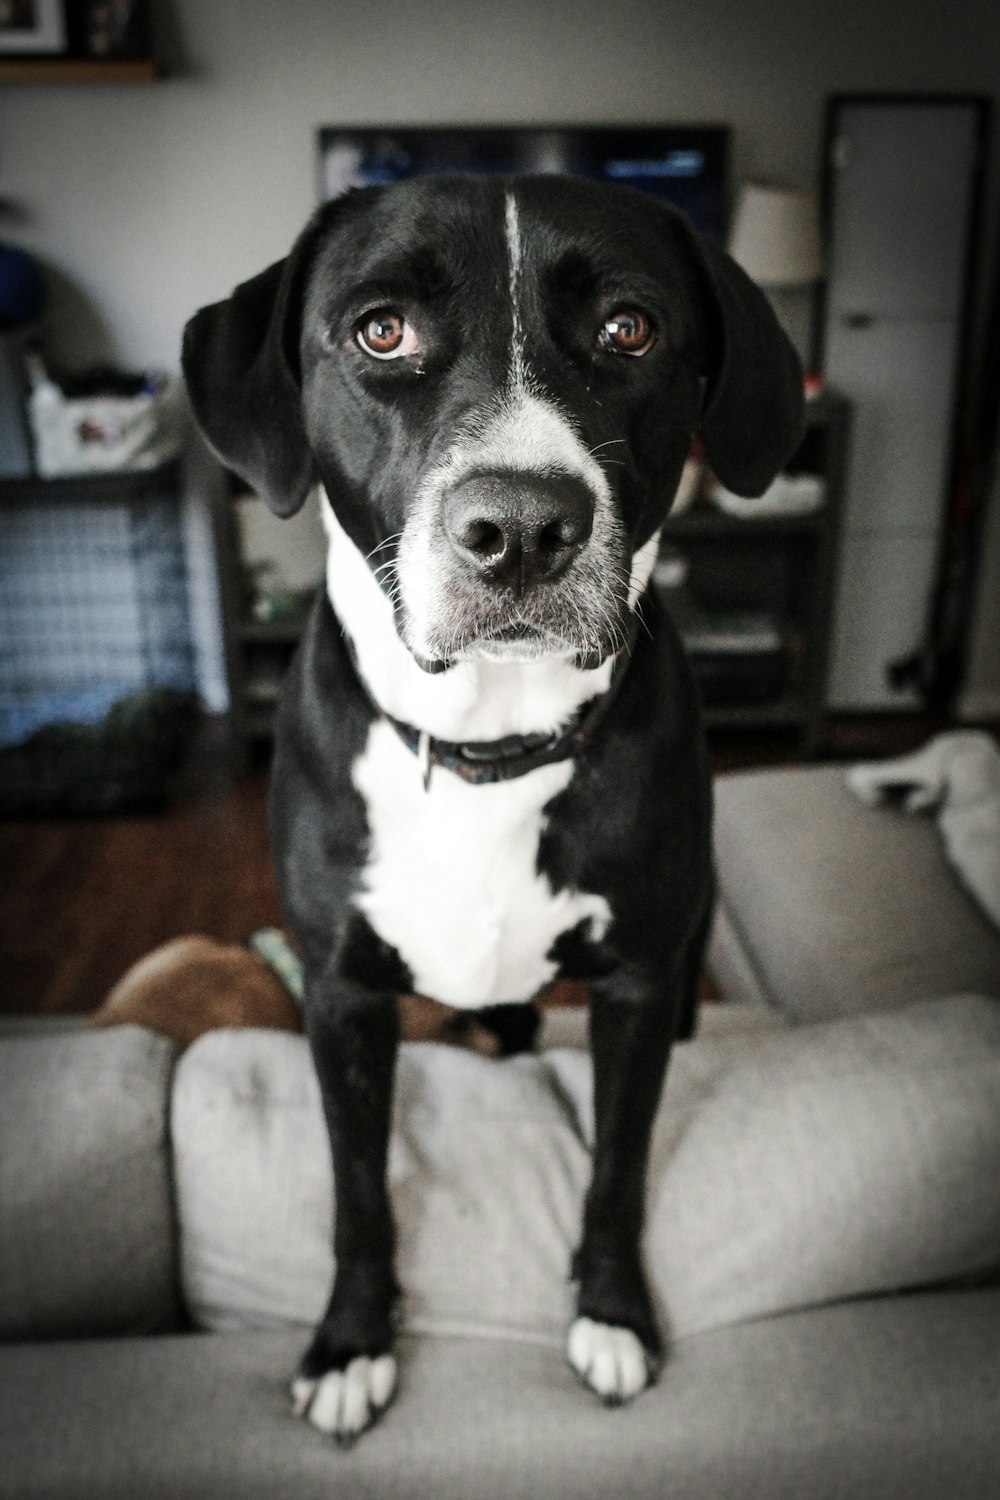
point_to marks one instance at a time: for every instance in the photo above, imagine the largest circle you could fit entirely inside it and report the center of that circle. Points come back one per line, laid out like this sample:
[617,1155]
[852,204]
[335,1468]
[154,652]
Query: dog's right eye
[628,331]
[385,334]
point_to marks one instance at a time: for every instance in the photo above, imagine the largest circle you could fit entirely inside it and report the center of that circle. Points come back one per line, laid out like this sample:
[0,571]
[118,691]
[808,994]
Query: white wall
[146,201]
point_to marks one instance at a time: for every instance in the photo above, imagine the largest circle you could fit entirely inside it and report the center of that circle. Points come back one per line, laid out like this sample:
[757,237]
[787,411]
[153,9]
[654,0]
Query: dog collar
[484,762]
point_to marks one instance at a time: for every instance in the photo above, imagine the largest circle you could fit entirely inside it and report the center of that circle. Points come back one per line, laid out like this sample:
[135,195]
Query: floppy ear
[754,412]
[240,362]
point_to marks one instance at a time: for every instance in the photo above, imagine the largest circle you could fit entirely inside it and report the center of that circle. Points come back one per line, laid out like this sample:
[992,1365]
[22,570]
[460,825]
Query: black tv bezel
[714,138]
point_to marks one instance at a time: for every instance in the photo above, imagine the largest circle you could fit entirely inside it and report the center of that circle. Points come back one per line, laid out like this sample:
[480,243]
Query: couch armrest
[87,1238]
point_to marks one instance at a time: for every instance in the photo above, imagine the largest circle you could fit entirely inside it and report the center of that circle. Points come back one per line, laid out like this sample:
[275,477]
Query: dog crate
[97,664]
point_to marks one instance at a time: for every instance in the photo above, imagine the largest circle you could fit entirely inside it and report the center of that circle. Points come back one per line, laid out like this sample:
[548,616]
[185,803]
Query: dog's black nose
[518,529]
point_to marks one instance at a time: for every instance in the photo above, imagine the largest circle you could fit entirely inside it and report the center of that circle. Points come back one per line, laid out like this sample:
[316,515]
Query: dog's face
[497,383]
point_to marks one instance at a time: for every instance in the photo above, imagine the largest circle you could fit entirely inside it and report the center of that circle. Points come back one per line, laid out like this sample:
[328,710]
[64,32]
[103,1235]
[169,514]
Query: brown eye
[387,335]
[627,331]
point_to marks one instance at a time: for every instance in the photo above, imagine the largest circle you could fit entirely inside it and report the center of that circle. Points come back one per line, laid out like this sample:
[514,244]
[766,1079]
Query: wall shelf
[79,70]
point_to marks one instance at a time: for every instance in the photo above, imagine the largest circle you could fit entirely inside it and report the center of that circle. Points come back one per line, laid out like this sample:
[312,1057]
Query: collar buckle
[424,758]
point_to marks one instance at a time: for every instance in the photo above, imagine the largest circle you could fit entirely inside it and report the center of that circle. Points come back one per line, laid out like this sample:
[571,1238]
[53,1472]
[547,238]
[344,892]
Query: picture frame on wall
[32,28]
[108,30]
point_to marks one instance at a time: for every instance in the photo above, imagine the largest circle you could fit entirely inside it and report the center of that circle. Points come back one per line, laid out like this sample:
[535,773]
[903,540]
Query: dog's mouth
[517,641]
[505,633]
[573,621]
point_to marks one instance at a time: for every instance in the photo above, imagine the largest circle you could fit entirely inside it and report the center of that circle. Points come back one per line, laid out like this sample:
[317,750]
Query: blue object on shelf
[21,292]
[15,444]
[22,715]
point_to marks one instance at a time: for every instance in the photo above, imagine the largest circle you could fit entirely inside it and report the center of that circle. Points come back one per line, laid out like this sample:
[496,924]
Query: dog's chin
[513,651]
[509,643]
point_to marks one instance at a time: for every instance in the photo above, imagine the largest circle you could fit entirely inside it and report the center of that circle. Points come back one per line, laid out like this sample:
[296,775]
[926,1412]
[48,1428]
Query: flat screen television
[687,165]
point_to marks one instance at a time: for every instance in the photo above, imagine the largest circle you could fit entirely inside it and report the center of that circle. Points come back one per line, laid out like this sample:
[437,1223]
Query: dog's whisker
[637,611]
[381,546]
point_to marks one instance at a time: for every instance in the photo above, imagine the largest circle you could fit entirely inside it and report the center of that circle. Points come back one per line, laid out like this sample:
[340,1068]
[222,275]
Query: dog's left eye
[385,334]
[628,331]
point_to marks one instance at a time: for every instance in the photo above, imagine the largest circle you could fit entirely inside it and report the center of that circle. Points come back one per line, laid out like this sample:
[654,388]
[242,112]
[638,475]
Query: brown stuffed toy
[195,984]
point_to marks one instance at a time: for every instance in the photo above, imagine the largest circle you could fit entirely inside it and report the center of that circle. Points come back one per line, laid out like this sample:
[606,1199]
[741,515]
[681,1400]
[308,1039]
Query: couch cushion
[789,1168]
[892,1400]
[838,907]
[86,1219]
[826,1162]
[487,1169]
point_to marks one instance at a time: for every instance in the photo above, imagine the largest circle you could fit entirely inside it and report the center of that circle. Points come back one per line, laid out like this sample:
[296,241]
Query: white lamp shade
[775,236]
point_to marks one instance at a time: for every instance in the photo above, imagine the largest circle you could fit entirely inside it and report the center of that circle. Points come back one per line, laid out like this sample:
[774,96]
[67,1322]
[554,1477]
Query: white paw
[609,1359]
[342,1403]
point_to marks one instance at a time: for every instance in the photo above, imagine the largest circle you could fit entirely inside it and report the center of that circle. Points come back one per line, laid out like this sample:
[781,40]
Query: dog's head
[497,382]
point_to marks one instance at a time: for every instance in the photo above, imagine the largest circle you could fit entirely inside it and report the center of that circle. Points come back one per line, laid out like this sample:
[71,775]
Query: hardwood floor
[84,898]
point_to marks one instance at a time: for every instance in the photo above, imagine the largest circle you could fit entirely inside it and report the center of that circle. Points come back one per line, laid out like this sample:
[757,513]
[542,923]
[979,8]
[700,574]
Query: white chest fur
[452,882]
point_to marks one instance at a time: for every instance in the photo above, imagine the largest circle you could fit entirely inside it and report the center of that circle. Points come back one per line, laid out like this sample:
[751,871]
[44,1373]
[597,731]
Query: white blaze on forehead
[517,362]
[527,434]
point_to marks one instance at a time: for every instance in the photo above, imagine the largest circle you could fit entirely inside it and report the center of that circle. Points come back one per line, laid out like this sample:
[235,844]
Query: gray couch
[823,1234]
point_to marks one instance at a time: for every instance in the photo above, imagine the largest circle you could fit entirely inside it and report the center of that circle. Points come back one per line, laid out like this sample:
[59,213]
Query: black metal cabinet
[774,568]
[98,676]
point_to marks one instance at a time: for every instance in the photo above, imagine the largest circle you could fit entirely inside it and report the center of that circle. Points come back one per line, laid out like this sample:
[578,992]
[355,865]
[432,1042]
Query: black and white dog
[489,769]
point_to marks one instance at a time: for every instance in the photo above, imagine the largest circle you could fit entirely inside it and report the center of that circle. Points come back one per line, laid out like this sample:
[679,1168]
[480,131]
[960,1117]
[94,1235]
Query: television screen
[687,165]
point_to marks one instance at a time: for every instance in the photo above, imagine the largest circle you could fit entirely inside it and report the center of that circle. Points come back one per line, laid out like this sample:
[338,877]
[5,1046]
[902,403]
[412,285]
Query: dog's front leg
[614,1345]
[348,1375]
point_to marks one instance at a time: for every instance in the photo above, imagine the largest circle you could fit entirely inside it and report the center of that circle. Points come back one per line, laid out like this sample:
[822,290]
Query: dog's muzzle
[518,530]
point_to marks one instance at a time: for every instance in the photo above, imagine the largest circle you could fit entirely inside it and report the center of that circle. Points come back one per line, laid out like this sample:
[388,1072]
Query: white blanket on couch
[958,776]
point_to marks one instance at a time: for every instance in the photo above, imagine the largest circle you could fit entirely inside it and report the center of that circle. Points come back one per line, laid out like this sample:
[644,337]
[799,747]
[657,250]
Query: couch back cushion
[790,1167]
[87,1229]
[487,1168]
[829,906]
